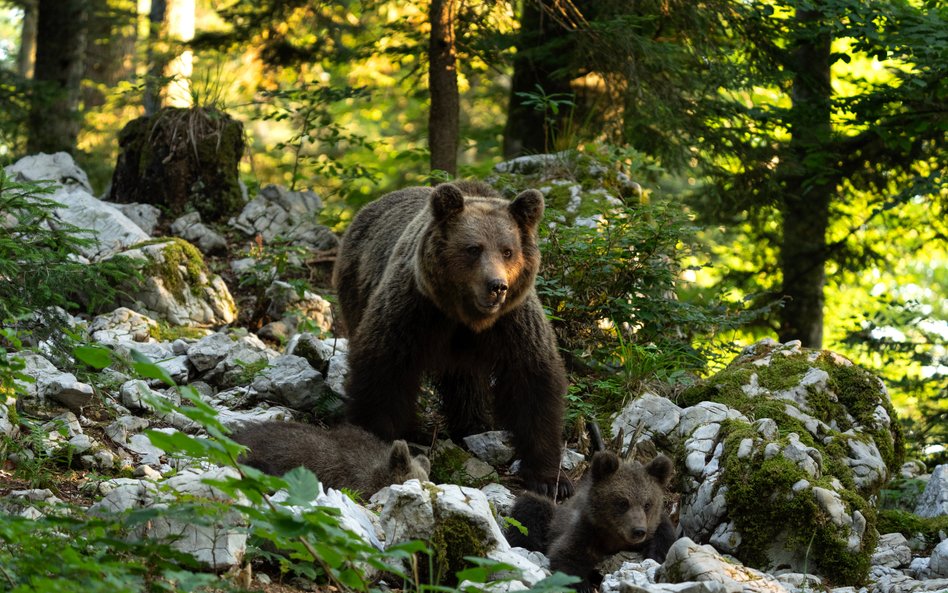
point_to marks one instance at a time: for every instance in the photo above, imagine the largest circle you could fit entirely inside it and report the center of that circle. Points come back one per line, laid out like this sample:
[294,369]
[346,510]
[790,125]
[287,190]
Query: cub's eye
[622,505]
[474,250]
[508,253]
[647,506]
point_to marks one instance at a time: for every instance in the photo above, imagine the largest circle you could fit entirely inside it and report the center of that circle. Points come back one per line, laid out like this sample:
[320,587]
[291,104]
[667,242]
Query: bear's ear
[604,464]
[527,208]
[423,462]
[446,201]
[399,460]
[660,468]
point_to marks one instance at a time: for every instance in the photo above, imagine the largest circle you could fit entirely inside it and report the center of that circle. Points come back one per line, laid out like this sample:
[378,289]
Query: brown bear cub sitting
[344,456]
[617,507]
[439,283]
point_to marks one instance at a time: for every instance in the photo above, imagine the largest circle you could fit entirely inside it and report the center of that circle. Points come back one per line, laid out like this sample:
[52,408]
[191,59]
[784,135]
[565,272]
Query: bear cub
[344,456]
[438,283]
[617,507]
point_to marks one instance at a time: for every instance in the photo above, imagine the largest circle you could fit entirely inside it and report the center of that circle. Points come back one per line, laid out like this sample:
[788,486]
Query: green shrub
[30,239]
[612,292]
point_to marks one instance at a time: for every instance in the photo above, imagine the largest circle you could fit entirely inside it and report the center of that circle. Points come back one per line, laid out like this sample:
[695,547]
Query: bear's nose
[497,287]
[637,533]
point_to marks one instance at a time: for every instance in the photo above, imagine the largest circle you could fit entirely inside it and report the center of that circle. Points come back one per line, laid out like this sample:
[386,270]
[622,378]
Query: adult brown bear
[440,282]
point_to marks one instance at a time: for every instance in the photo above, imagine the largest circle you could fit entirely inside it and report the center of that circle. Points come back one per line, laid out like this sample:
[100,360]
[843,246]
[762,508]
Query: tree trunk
[809,186]
[443,125]
[110,50]
[538,64]
[156,57]
[26,57]
[60,43]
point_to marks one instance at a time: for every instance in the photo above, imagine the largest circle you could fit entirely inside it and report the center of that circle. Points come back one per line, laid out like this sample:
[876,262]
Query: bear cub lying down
[344,456]
[617,507]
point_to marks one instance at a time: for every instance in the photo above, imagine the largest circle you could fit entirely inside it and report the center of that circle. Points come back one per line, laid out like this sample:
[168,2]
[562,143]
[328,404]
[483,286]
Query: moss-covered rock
[177,287]
[181,160]
[784,453]
[456,521]
[574,184]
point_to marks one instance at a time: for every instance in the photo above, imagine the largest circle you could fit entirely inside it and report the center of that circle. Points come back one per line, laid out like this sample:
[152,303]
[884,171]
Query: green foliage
[901,494]
[92,555]
[612,291]
[905,341]
[15,107]
[910,525]
[319,144]
[31,239]
[549,105]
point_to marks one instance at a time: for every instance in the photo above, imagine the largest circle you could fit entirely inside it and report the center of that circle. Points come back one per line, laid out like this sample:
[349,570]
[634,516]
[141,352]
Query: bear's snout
[497,288]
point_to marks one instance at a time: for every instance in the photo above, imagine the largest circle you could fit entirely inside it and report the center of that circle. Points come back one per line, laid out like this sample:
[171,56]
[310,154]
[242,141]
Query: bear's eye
[508,253]
[647,506]
[622,505]
[474,250]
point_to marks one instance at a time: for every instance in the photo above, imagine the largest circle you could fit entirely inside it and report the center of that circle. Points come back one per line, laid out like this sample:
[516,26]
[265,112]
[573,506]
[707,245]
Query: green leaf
[301,486]
[144,367]
[177,442]
[98,357]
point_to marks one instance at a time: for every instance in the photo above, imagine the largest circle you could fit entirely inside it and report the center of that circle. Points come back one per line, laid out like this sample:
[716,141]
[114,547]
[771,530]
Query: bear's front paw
[558,487]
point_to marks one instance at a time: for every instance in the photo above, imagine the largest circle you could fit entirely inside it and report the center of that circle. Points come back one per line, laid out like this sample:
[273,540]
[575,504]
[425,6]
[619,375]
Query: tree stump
[181,160]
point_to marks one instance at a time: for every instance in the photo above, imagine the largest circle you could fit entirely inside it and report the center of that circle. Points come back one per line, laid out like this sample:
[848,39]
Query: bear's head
[401,466]
[626,500]
[479,256]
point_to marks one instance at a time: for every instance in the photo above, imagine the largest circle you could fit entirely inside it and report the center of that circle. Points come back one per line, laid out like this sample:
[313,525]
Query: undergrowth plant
[611,279]
[304,539]
[317,141]
[32,239]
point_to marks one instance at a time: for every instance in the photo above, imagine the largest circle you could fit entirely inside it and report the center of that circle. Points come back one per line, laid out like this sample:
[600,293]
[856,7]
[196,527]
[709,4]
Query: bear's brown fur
[344,456]
[617,507]
[440,282]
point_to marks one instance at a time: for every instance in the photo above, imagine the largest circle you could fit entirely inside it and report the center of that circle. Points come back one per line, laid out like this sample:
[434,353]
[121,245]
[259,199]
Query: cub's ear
[604,464]
[399,459]
[446,201]
[423,462]
[661,468]
[527,208]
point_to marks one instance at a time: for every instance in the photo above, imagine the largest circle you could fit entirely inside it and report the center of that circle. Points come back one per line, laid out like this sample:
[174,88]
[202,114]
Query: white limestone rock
[688,561]
[178,287]
[219,546]
[934,500]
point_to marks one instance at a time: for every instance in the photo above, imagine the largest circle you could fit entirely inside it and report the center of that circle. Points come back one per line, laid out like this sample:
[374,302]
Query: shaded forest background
[803,141]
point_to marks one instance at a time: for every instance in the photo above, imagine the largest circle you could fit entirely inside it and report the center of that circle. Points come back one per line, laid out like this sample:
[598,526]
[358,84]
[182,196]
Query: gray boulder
[934,500]
[688,562]
[190,228]
[145,216]
[291,381]
[289,215]
[50,386]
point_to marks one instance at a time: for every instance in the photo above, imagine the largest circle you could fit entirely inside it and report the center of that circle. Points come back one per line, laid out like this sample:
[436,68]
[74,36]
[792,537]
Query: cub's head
[479,257]
[403,467]
[627,499]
